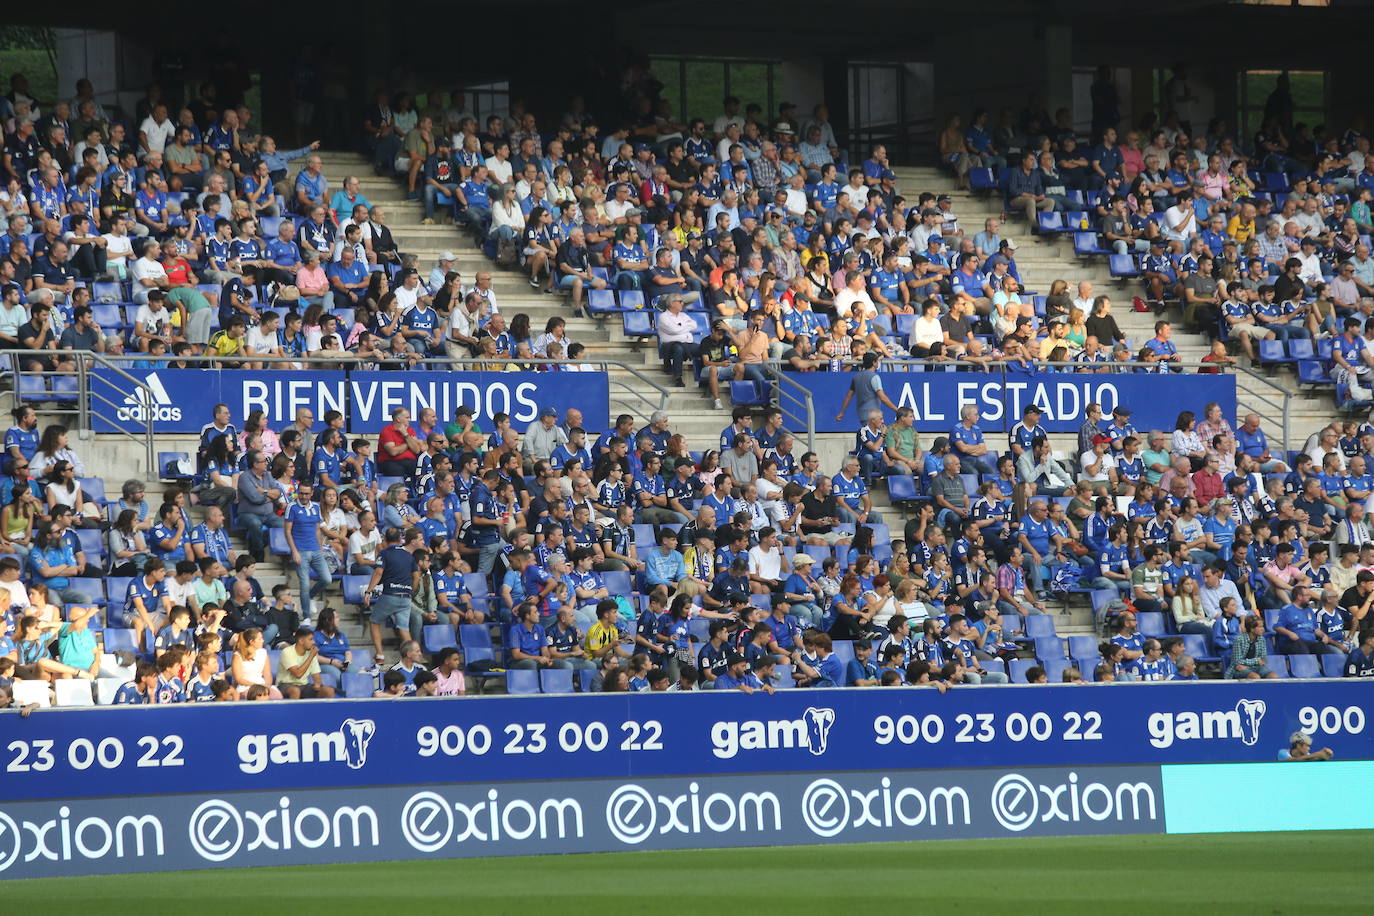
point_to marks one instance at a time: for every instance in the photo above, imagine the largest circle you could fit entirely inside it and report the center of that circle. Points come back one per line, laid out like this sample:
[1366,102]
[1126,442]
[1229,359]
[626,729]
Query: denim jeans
[255,531]
[432,197]
[676,353]
[312,564]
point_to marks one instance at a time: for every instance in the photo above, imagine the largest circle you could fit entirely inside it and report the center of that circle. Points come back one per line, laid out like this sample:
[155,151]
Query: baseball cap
[463,411]
[1308,240]
[783,127]
[1120,411]
[734,658]
[447,256]
[1101,439]
[938,240]
[887,173]
[944,198]
[1010,243]
[547,412]
[803,559]
[694,234]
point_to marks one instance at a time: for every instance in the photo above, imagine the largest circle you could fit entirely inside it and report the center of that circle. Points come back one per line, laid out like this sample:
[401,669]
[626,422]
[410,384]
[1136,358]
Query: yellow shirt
[1241,232]
[221,344]
[599,636]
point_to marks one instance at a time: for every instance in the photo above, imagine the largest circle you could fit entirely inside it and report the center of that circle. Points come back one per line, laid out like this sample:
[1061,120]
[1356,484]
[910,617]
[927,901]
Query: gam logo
[811,731]
[348,745]
[1243,722]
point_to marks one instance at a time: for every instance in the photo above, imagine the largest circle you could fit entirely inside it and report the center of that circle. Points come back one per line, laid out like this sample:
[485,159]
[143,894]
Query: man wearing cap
[1120,427]
[543,436]
[1299,750]
[446,262]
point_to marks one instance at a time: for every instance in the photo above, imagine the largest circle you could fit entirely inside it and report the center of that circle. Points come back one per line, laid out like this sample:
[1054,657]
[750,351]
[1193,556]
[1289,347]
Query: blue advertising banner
[241,747]
[182,400]
[937,397]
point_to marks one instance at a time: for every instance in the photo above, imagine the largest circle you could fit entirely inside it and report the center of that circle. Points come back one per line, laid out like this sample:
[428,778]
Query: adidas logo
[151,404]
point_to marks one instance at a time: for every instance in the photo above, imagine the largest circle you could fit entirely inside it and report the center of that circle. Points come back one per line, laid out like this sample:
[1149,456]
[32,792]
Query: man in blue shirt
[851,493]
[1104,160]
[966,440]
[347,279]
[861,672]
[302,523]
[1251,440]
[394,580]
[473,207]
[210,539]
[528,641]
[141,690]
[1162,346]
[1360,662]
[663,568]
[1296,628]
[21,439]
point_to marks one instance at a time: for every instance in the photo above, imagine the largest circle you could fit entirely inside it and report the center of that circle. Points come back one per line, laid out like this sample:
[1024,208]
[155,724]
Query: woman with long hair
[519,330]
[128,550]
[256,422]
[63,489]
[251,664]
[54,447]
[540,249]
[335,656]
[17,520]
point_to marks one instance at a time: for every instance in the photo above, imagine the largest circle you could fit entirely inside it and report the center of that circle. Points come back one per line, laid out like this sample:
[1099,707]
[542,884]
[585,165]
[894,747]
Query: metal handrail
[83,399]
[783,386]
[1282,405]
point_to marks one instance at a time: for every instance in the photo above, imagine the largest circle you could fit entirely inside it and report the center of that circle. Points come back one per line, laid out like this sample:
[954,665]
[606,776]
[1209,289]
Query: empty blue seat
[844,651]
[631,299]
[1271,351]
[645,536]
[474,636]
[556,680]
[353,587]
[1300,348]
[1151,624]
[357,685]
[439,636]
[600,301]
[1082,646]
[1195,644]
[748,393]
[1038,625]
[1304,666]
[1122,266]
[1085,244]
[522,681]
[277,542]
[638,324]
[1049,647]
[1055,668]
[1051,221]
[997,665]
[1016,670]
[901,488]
[1333,666]
[119,640]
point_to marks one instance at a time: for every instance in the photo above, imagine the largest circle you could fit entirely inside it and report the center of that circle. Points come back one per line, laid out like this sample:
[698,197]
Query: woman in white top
[1186,443]
[334,528]
[927,338]
[252,664]
[52,448]
[63,489]
[507,219]
[880,602]
[769,485]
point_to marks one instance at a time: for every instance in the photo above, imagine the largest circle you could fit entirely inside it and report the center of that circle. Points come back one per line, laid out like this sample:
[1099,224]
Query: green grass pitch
[1260,873]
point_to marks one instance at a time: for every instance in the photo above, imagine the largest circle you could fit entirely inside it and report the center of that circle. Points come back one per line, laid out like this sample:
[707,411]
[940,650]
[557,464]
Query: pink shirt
[312,281]
[1212,185]
[450,686]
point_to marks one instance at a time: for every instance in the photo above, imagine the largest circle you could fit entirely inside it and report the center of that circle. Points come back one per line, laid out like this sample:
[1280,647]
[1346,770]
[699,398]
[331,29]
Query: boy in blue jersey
[142,689]
[1360,661]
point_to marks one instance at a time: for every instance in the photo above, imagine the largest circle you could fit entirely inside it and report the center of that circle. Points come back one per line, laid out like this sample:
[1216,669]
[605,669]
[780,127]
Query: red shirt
[391,434]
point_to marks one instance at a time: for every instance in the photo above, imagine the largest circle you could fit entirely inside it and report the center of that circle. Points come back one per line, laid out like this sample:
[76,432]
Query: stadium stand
[416,560]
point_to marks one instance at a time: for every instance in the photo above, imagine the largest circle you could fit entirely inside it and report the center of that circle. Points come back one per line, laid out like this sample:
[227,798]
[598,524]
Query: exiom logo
[348,745]
[811,731]
[1243,722]
[150,403]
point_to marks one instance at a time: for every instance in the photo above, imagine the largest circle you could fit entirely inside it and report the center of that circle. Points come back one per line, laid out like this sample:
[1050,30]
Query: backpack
[507,255]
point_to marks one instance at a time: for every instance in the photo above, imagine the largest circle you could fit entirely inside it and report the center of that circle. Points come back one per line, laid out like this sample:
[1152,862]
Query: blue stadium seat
[1122,267]
[1049,647]
[1086,244]
[357,685]
[277,542]
[1051,221]
[996,665]
[474,636]
[1055,668]
[1300,348]
[556,680]
[982,179]
[1038,625]
[1333,666]
[638,324]
[1304,666]
[482,598]
[1151,624]
[522,681]
[353,588]
[901,488]
[584,680]
[748,393]
[439,636]
[645,537]
[699,628]
[1272,351]
[844,651]
[783,677]
[631,299]
[1195,644]
[1082,646]
[1016,670]
[119,640]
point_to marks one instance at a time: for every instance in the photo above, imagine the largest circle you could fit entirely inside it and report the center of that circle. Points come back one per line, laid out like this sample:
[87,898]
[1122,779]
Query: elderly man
[543,436]
[1250,440]
[310,186]
[902,445]
[966,439]
[948,495]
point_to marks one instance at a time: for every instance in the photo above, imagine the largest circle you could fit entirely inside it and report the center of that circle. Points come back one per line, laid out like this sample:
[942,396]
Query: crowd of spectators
[626,553]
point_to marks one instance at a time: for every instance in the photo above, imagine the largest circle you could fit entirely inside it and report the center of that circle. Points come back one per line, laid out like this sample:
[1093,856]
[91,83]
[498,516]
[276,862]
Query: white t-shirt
[365,545]
[150,321]
[406,298]
[846,297]
[500,171]
[117,246]
[765,563]
[258,342]
[1179,222]
[1087,458]
[157,134]
[148,269]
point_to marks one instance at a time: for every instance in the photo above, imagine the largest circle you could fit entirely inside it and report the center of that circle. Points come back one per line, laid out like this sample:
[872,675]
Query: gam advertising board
[366,780]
